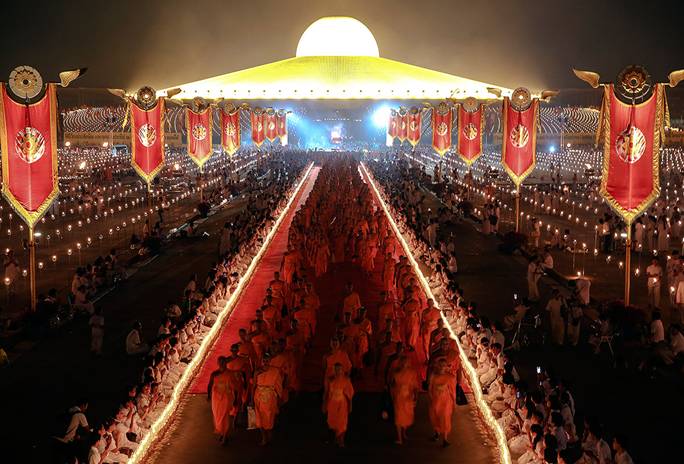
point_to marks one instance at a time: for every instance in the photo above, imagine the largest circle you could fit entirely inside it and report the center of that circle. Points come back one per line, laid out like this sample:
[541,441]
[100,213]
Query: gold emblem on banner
[519,136]
[30,144]
[630,145]
[199,132]
[25,82]
[521,99]
[470,131]
[271,126]
[442,108]
[260,126]
[470,104]
[413,126]
[146,97]
[442,129]
[633,85]
[230,130]
[147,135]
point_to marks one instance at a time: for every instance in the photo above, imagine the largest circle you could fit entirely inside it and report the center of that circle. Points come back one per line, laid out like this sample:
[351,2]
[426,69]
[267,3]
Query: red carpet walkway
[254,292]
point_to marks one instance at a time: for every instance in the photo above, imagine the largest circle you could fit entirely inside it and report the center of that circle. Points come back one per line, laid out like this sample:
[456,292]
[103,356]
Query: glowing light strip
[158,426]
[490,420]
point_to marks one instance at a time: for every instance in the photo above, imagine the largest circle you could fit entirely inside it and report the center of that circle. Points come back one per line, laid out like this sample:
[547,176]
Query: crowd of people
[184,327]
[537,418]
[403,346]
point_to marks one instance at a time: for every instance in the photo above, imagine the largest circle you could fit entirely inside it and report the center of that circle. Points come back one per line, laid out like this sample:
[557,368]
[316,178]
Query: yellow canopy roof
[337,77]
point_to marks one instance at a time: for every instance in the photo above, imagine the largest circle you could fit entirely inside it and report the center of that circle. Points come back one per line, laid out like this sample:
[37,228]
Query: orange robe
[223,396]
[404,387]
[267,394]
[338,356]
[338,403]
[442,394]
[351,304]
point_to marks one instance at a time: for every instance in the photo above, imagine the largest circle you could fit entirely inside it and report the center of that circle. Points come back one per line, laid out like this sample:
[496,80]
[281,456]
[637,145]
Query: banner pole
[201,183]
[149,194]
[628,257]
[517,209]
[32,268]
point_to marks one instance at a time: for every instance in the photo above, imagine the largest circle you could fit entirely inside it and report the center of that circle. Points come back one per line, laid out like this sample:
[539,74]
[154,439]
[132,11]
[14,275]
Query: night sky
[511,43]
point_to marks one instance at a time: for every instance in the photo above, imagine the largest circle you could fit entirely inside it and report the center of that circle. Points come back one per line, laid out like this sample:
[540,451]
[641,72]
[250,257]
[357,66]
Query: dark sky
[516,42]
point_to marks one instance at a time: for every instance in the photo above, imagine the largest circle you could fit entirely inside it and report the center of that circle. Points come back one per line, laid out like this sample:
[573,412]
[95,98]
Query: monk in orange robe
[351,302]
[428,323]
[267,394]
[223,396]
[335,356]
[338,403]
[442,394]
[404,388]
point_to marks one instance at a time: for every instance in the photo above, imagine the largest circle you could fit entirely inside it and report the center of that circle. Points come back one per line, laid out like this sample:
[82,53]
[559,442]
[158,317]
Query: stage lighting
[381,116]
[552,149]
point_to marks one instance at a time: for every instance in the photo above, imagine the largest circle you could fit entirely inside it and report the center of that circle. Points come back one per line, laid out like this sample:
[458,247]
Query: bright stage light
[552,149]
[337,36]
[381,116]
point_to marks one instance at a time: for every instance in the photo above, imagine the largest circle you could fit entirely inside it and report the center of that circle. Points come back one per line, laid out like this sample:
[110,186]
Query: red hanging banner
[270,125]
[199,127]
[470,128]
[281,126]
[230,130]
[415,126]
[442,123]
[518,151]
[28,138]
[147,139]
[633,135]
[402,125]
[257,120]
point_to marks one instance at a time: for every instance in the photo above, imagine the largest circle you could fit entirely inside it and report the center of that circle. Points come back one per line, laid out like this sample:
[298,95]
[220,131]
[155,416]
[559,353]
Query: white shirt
[655,274]
[132,341]
[78,419]
[657,331]
[677,343]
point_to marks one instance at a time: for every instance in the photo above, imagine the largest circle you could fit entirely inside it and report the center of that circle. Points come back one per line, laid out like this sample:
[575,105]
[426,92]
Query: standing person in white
[654,273]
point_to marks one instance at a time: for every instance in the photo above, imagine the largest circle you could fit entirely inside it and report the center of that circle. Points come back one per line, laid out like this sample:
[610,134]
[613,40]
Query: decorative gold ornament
[442,108]
[633,84]
[29,144]
[519,136]
[146,97]
[521,99]
[25,82]
[630,144]
[470,131]
[442,129]
[199,132]
[470,104]
[147,135]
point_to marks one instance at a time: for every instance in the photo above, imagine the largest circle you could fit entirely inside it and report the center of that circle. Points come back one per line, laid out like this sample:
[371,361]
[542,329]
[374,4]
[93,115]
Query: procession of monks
[402,346]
